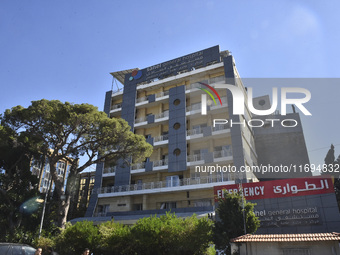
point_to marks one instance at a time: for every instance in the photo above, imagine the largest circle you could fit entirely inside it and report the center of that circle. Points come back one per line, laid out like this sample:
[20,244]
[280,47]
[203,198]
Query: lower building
[287,244]
[81,195]
[42,170]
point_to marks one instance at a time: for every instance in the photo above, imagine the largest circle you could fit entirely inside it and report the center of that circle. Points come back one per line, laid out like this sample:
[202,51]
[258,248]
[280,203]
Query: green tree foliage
[166,234]
[19,198]
[169,234]
[67,132]
[116,238]
[231,222]
[74,238]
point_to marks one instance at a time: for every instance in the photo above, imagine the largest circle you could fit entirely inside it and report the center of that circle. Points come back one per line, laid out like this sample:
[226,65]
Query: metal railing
[208,81]
[162,115]
[194,107]
[138,166]
[141,99]
[167,184]
[223,153]
[195,157]
[109,170]
[139,120]
[195,131]
[162,94]
[116,106]
[162,162]
[219,127]
[161,138]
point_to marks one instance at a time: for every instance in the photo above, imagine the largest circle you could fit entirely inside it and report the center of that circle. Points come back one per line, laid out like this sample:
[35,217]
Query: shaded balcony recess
[168,184]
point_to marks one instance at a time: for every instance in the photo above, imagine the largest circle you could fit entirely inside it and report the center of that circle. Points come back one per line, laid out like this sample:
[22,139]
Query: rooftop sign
[174,66]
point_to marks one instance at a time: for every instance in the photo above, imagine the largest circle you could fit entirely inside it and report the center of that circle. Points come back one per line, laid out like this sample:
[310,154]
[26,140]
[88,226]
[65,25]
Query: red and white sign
[279,188]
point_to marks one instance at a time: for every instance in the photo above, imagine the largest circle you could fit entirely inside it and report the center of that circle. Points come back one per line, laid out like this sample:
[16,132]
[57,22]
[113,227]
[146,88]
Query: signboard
[291,205]
[172,67]
[279,188]
[306,215]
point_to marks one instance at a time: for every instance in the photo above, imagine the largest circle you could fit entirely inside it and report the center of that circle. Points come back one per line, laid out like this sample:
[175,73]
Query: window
[139,184]
[103,209]
[199,154]
[222,151]
[201,203]
[196,106]
[165,160]
[172,181]
[198,129]
[138,207]
[61,166]
[168,205]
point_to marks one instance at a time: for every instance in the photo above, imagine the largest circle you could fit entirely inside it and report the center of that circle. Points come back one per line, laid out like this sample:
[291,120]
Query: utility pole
[44,207]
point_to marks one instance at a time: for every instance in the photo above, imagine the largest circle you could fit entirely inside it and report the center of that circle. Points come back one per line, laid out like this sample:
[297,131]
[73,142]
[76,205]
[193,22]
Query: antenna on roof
[114,81]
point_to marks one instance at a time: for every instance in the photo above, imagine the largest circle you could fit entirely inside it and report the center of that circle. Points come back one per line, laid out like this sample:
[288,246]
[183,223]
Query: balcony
[138,166]
[159,97]
[195,158]
[110,170]
[221,127]
[223,153]
[140,120]
[160,164]
[166,186]
[196,85]
[141,99]
[196,108]
[162,116]
[161,138]
[116,107]
[162,94]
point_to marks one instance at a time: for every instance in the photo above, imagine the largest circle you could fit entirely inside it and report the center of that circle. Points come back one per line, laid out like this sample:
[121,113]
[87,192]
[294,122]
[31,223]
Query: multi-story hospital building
[174,105]
[183,109]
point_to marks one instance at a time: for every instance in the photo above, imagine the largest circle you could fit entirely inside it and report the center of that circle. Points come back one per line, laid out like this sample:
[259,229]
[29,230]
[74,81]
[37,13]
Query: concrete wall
[281,146]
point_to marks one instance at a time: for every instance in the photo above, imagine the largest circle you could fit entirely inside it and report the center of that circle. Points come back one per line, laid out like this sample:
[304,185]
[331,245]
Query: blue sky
[65,50]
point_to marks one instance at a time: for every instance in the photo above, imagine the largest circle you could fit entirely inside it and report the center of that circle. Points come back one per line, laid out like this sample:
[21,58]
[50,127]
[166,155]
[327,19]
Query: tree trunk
[63,211]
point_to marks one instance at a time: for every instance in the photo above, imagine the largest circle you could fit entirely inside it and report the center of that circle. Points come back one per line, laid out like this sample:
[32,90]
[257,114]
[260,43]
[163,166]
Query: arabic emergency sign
[279,188]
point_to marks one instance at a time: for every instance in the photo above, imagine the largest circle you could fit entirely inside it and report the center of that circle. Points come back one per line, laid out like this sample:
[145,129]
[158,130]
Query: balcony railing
[161,138]
[194,107]
[219,127]
[223,153]
[195,131]
[139,120]
[209,81]
[162,115]
[109,170]
[138,166]
[167,184]
[162,162]
[162,94]
[195,157]
[116,106]
[141,99]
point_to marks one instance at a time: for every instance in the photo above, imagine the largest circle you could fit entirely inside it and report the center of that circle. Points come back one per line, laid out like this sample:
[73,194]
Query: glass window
[172,181]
